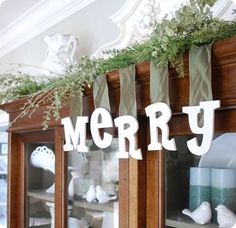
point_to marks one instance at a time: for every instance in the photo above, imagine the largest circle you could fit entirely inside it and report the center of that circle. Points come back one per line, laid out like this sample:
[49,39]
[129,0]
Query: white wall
[91,26]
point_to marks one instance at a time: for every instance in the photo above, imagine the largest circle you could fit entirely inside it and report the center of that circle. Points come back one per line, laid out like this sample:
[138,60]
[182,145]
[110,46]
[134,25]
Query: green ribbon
[200,74]
[128,104]
[76,106]
[100,93]
[200,88]
[159,83]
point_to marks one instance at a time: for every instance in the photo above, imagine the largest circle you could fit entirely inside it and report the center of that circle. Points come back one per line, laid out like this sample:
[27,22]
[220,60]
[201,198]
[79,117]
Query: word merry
[159,115]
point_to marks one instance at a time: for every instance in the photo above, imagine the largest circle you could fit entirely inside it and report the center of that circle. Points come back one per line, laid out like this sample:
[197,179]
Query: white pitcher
[60,52]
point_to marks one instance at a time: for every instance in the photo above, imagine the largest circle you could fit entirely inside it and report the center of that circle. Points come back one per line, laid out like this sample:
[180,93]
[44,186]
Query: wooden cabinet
[143,185]
[25,180]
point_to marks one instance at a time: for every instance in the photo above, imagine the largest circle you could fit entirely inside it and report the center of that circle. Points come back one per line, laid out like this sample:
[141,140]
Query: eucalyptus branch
[193,25]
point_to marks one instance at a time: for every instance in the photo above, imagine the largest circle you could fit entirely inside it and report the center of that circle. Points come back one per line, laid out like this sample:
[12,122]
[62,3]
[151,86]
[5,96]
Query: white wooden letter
[127,128]
[207,130]
[106,122]
[159,122]
[75,138]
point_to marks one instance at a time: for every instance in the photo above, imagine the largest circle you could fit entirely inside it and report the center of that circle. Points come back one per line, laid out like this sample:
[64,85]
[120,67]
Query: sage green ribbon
[200,74]
[128,104]
[76,106]
[159,83]
[100,93]
[200,88]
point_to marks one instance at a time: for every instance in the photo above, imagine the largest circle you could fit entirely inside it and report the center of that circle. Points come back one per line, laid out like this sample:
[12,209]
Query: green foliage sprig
[192,26]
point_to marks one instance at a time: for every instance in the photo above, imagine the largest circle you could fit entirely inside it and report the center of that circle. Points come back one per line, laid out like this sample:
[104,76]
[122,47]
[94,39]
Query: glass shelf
[3,172]
[42,195]
[180,221]
[108,207]
[42,226]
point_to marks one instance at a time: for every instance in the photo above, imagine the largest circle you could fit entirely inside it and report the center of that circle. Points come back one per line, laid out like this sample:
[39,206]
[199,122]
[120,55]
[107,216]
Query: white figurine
[102,196]
[201,215]
[91,194]
[225,217]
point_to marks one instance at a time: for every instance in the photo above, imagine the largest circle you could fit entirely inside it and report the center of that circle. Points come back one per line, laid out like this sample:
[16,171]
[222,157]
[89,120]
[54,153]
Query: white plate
[222,153]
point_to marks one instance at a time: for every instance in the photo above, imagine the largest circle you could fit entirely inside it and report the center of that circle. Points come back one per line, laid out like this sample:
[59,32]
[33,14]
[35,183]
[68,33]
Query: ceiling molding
[2,1]
[123,18]
[36,20]
[127,20]
[221,9]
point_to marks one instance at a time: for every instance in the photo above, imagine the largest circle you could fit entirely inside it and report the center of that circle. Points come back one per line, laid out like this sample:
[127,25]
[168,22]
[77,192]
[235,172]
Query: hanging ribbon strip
[76,107]
[128,104]
[100,93]
[159,83]
[200,88]
[200,74]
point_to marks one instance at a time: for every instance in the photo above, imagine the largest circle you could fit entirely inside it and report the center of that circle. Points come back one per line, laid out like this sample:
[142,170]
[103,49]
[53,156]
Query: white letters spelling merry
[128,126]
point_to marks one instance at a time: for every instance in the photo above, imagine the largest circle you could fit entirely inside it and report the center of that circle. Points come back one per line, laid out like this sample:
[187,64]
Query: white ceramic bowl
[43,157]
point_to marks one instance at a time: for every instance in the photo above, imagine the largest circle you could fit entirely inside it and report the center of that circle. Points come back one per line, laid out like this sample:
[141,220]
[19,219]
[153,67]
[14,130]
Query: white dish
[43,157]
[222,153]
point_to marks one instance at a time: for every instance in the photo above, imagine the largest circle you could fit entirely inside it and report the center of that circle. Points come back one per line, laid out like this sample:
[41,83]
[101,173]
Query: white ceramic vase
[75,175]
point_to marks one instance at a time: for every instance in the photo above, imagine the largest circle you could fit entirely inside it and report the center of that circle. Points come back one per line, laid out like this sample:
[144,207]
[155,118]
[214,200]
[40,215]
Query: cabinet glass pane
[41,170]
[192,180]
[3,179]
[93,187]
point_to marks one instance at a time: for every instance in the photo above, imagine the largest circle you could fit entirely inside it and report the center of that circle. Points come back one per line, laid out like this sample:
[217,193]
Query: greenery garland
[193,25]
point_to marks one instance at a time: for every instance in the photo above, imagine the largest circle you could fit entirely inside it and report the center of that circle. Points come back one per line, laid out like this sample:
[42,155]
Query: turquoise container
[200,186]
[223,190]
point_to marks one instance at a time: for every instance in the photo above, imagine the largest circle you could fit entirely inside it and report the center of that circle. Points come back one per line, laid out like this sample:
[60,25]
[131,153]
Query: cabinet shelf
[108,207]
[42,195]
[180,221]
[3,172]
[42,226]
[3,203]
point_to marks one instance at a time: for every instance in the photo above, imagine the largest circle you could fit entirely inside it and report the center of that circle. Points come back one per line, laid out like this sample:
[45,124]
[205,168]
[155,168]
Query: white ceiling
[10,10]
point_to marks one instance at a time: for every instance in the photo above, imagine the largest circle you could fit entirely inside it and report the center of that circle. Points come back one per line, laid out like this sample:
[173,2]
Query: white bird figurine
[91,194]
[102,196]
[225,217]
[201,215]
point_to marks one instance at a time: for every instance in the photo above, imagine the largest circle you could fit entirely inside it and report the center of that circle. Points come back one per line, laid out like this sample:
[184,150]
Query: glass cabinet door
[93,187]
[40,184]
[203,182]
[3,182]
